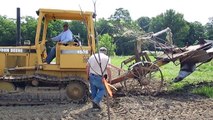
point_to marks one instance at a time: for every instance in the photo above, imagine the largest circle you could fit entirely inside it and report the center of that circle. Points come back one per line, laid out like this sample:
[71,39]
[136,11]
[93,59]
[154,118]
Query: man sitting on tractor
[63,38]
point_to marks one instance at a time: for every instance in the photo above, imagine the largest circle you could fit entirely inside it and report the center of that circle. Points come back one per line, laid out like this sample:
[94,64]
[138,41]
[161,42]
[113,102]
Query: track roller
[77,91]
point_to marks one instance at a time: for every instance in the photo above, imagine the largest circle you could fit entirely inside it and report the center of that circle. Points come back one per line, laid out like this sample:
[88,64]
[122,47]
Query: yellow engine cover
[6,87]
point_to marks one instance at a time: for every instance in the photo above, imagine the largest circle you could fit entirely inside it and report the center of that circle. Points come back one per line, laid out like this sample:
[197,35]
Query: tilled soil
[165,106]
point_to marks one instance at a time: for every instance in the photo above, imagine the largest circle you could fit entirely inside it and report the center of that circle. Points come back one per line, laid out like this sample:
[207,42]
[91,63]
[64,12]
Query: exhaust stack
[18,27]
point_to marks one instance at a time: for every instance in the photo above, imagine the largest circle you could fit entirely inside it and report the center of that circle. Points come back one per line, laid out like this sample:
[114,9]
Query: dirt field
[166,106]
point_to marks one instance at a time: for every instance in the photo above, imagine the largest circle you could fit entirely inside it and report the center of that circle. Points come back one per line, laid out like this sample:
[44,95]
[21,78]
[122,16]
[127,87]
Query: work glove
[105,76]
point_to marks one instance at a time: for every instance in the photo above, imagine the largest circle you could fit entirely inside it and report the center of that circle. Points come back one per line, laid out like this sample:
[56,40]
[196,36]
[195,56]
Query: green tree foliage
[28,29]
[175,22]
[54,28]
[121,23]
[79,28]
[143,22]
[125,45]
[122,29]
[106,40]
[196,32]
[121,15]
[7,31]
[104,26]
[209,28]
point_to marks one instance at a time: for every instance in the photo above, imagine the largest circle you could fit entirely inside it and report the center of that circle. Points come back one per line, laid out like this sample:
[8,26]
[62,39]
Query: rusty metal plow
[141,78]
[144,80]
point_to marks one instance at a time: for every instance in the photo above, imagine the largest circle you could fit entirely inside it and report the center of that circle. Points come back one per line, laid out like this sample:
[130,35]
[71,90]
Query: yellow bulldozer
[26,79]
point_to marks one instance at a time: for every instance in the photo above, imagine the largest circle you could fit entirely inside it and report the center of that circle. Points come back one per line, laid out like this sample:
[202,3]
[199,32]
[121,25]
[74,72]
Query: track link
[40,95]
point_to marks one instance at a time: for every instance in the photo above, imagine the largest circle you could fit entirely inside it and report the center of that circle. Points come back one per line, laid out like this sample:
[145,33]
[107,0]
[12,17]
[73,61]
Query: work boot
[177,79]
[95,105]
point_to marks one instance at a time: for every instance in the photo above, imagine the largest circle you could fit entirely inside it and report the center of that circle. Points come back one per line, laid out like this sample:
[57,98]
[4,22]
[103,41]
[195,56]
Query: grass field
[203,73]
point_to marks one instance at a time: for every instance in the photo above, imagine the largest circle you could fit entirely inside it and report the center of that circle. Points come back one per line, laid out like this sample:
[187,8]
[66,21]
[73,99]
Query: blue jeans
[51,55]
[97,88]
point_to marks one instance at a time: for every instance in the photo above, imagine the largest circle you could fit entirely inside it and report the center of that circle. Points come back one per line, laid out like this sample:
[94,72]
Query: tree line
[112,31]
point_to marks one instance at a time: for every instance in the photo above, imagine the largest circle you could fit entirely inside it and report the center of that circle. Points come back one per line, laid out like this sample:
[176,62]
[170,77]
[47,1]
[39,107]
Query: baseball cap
[103,49]
[65,24]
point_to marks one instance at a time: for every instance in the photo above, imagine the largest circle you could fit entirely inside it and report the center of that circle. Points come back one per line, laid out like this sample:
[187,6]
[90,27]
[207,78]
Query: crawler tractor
[25,78]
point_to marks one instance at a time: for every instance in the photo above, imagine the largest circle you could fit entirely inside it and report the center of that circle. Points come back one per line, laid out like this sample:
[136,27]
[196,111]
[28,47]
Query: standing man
[63,38]
[96,69]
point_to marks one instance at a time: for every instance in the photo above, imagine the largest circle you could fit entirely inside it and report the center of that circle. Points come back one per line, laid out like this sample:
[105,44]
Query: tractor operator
[63,38]
[96,70]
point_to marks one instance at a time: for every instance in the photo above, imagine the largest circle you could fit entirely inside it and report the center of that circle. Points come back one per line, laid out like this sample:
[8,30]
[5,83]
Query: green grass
[205,91]
[116,60]
[170,71]
[201,74]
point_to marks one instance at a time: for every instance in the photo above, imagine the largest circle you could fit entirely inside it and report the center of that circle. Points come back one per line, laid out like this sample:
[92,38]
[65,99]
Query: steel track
[30,95]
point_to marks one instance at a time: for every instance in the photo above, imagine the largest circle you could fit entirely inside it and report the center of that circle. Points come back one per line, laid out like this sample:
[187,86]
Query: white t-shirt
[94,65]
